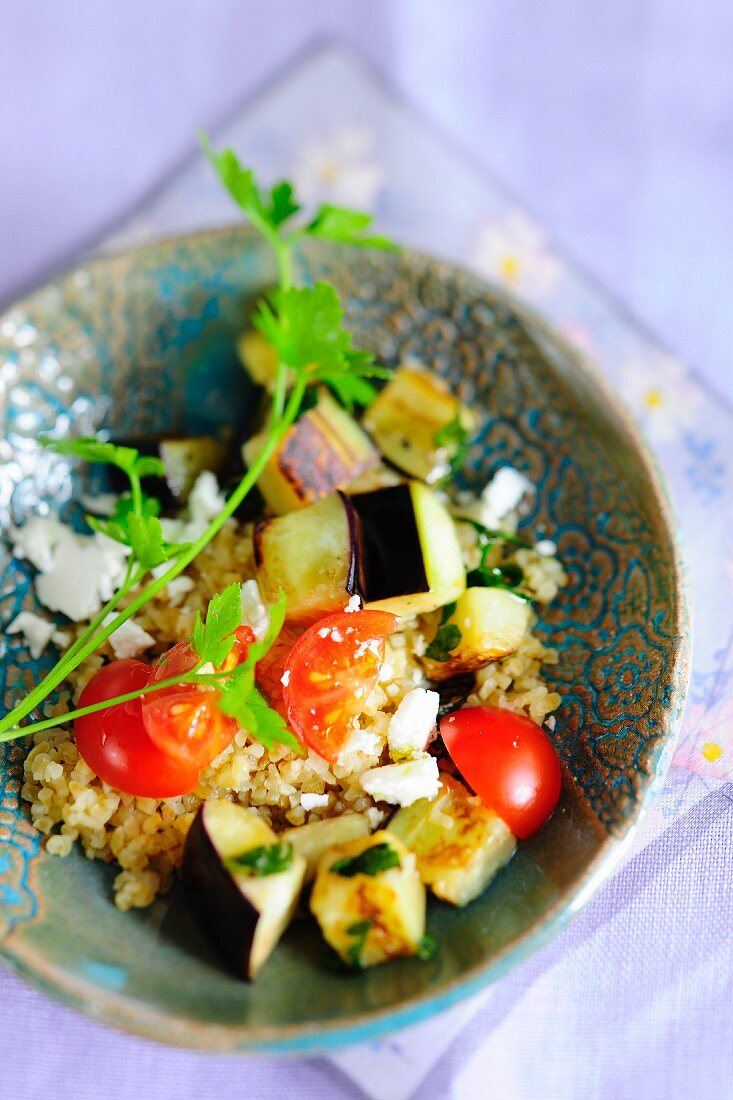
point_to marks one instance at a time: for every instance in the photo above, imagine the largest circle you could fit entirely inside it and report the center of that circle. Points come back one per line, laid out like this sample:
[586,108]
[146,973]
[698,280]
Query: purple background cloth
[615,128]
[612,123]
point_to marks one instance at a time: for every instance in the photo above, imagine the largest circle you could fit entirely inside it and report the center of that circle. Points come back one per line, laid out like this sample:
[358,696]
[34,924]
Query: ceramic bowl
[144,341]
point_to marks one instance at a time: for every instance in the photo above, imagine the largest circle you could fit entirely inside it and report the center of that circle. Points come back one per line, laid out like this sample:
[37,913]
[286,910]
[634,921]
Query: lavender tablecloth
[634,998]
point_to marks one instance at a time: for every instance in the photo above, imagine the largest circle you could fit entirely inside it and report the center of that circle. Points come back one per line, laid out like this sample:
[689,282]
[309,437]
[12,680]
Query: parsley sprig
[212,642]
[305,326]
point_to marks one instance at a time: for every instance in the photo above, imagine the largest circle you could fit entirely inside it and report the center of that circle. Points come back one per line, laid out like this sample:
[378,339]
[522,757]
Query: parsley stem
[93,708]
[9,724]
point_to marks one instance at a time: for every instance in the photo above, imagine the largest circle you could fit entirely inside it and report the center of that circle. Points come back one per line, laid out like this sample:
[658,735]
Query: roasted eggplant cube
[484,625]
[245,914]
[459,842]
[412,561]
[311,841]
[311,555]
[370,918]
[183,459]
[323,451]
[407,417]
[258,358]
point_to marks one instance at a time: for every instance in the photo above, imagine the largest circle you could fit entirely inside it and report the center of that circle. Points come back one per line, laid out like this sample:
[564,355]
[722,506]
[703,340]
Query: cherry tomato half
[270,668]
[329,673]
[509,761]
[183,720]
[115,744]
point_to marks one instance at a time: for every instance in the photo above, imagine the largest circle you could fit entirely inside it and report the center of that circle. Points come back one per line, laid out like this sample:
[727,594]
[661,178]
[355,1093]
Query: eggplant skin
[228,917]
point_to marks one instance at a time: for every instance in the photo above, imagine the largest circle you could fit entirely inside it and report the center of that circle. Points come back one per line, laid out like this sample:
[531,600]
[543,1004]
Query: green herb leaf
[427,948]
[241,700]
[149,466]
[305,327]
[372,861]
[267,859]
[454,438]
[486,537]
[445,641]
[360,930]
[89,449]
[213,640]
[337,223]
[264,212]
[508,577]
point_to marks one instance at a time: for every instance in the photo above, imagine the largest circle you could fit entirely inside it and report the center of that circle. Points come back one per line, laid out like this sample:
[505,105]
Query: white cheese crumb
[412,724]
[551,722]
[285,678]
[324,632]
[405,783]
[178,588]
[313,801]
[129,639]
[254,612]
[37,632]
[386,672]
[546,548]
[502,495]
[77,573]
[354,603]
[205,501]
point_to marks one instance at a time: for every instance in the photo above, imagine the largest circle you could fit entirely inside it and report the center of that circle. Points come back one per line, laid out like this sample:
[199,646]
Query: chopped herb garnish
[372,861]
[486,537]
[454,438]
[360,930]
[427,948]
[267,859]
[508,577]
[445,641]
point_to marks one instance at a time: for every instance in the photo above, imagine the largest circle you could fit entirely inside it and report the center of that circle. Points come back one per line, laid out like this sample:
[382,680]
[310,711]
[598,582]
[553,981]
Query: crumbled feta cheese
[129,639]
[324,632]
[313,801]
[546,548]
[37,632]
[386,672]
[370,646]
[254,612]
[178,588]
[285,678]
[77,573]
[503,494]
[354,603]
[402,784]
[412,724]
[205,501]
[551,722]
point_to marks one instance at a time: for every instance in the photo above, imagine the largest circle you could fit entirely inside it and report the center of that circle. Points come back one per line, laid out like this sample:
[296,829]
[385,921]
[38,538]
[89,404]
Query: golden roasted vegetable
[258,359]
[312,556]
[459,842]
[324,450]
[417,422]
[369,900]
[483,625]
[311,841]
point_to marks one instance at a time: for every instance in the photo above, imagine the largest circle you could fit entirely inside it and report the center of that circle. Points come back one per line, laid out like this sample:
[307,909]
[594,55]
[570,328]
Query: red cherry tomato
[183,720]
[115,744]
[329,673]
[509,761]
[270,668]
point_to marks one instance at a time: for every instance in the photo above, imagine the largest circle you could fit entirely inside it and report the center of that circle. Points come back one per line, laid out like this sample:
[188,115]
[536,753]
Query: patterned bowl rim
[175,1030]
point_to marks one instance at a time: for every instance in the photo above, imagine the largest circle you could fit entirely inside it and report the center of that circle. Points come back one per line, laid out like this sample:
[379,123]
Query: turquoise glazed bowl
[144,341]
